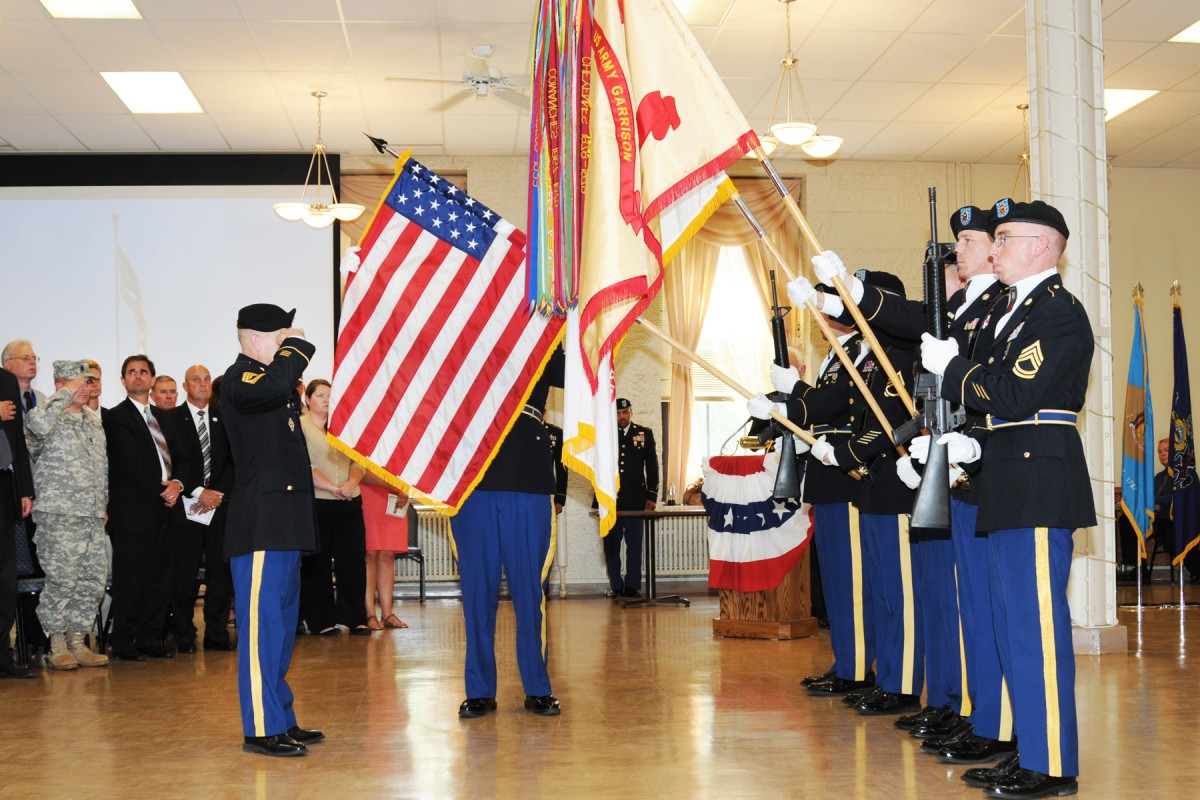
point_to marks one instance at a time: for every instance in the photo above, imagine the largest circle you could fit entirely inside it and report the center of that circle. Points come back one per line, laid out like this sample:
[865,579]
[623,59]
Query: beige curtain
[688,284]
[687,287]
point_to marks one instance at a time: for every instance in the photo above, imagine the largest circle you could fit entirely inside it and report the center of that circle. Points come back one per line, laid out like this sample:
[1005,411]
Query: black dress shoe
[983,777]
[972,749]
[227,646]
[187,649]
[476,707]
[920,718]
[156,652]
[836,685]
[134,655]
[942,724]
[14,671]
[1025,784]
[932,746]
[811,679]
[889,703]
[545,705]
[634,593]
[859,695]
[305,737]
[280,745]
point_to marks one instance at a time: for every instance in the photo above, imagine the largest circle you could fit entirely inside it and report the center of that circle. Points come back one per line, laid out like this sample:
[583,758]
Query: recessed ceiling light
[1118,101]
[153,92]
[1189,35]
[703,12]
[92,9]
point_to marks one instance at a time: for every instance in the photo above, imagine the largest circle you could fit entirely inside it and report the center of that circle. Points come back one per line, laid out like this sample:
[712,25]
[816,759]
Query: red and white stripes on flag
[753,539]
[438,347]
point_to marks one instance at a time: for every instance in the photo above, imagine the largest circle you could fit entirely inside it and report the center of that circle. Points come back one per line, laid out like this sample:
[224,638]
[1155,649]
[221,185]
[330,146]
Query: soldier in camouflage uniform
[70,477]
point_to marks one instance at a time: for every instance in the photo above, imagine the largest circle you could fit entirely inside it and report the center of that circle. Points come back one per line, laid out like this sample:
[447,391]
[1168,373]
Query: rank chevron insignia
[1029,362]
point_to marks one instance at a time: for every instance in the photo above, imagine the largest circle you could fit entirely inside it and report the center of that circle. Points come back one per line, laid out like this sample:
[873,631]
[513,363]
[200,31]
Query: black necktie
[30,401]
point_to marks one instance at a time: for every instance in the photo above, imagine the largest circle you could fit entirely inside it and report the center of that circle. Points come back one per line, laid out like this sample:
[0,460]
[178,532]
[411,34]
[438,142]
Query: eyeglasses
[27,359]
[1002,239]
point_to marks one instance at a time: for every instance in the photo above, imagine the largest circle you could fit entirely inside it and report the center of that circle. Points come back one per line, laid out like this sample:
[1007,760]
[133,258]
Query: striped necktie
[205,446]
[1012,300]
[159,440]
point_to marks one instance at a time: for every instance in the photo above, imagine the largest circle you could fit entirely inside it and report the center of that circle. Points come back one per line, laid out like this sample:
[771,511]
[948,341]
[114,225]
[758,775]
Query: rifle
[935,414]
[787,479]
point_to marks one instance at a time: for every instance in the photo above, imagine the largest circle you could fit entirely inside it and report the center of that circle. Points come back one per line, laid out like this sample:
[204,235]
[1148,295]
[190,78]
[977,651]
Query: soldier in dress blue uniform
[507,523]
[271,521]
[637,491]
[1029,377]
[831,407]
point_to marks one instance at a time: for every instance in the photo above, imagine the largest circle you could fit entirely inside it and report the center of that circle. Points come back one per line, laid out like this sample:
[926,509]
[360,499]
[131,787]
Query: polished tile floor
[654,707]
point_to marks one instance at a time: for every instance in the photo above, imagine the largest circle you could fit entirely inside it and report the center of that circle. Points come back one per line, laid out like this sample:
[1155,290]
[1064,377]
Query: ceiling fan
[479,79]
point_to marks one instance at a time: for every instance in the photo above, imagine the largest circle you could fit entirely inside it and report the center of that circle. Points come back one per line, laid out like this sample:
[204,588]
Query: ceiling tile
[873,15]
[487,12]
[1149,20]
[924,56]
[117,45]
[36,45]
[295,10]
[949,103]
[107,132]
[1119,141]
[236,92]
[37,133]
[967,16]
[389,11]
[1159,68]
[210,45]
[14,99]
[205,10]
[394,48]
[841,55]
[511,44]
[1164,110]
[1000,60]
[407,130]
[71,92]
[260,133]
[1166,146]
[965,142]
[877,100]
[183,132]
[301,46]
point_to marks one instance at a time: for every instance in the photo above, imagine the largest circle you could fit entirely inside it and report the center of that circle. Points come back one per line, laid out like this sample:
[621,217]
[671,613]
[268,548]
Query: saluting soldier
[70,473]
[1030,377]
[831,407]
[271,521]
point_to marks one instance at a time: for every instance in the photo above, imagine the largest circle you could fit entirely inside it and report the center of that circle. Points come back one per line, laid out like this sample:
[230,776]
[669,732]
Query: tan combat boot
[60,657]
[83,653]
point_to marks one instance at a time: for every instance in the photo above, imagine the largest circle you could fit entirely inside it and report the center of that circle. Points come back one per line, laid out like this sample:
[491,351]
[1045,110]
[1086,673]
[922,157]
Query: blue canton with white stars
[442,209]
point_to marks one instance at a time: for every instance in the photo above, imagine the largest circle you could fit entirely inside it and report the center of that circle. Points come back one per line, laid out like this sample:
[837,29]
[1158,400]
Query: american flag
[438,347]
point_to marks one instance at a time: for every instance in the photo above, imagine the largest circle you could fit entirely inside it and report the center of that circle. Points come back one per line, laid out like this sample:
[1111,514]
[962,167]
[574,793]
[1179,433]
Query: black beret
[623,404]
[265,317]
[969,218]
[881,280]
[1037,212]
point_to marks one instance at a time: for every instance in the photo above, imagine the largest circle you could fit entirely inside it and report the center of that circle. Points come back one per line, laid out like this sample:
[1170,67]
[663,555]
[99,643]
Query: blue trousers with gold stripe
[267,586]
[937,600]
[512,531]
[1029,569]
[838,541]
[899,655]
[985,698]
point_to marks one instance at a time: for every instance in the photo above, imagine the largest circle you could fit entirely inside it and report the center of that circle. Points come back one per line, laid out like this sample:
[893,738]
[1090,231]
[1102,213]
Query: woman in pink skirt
[387,532]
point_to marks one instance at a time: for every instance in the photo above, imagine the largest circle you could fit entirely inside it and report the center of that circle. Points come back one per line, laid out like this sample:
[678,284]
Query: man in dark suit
[271,521]
[16,501]
[198,533]
[1030,377]
[638,491]
[147,471]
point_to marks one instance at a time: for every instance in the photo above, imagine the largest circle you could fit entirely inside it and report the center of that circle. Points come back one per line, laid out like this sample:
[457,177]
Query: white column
[1068,169]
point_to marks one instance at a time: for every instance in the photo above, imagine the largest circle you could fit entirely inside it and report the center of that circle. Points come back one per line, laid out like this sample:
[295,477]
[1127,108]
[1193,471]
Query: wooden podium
[784,612]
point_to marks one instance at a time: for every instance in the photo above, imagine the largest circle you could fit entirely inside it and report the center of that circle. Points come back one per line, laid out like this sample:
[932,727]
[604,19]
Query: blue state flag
[1137,466]
[1182,464]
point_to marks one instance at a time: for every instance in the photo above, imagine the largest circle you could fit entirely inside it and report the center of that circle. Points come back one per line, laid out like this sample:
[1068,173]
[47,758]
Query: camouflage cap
[66,370]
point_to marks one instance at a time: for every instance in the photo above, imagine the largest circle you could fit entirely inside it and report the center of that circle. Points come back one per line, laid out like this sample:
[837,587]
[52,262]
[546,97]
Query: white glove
[802,446]
[351,261]
[907,473]
[955,474]
[918,448]
[823,451]
[784,379]
[760,407]
[800,291]
[936,353]
[828,265]
[960,448]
